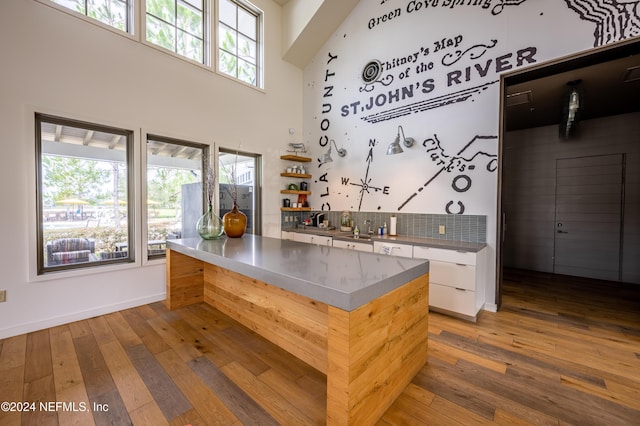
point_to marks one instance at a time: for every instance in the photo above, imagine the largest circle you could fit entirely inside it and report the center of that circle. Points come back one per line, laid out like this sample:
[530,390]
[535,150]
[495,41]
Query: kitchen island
[360,318]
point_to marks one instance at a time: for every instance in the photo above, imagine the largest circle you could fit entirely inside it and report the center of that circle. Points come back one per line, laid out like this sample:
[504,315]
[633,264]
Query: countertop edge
[400,239]
[347,301]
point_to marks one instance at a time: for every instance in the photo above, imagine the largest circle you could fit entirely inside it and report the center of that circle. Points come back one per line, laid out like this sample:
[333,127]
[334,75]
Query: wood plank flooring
[561,351]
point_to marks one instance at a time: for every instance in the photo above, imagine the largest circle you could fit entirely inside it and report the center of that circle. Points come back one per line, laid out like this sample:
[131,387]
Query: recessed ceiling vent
[519,98]
[632,74]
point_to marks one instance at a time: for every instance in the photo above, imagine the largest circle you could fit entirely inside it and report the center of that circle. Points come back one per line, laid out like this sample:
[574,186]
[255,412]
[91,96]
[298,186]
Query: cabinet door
[302,238]
[452,274]
[312,239]
[353,246]
[452,299]
[402,250]
[321,241]
[444,255]
[287,235]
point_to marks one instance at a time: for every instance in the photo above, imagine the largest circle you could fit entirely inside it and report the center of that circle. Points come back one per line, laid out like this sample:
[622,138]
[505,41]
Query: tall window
[85,194]
[179,26]
[239,177]
[114,13]
[174,190]
[238,41]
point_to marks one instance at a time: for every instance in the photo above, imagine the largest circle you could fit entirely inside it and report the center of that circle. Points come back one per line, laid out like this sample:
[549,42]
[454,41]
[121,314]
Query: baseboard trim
[78,316]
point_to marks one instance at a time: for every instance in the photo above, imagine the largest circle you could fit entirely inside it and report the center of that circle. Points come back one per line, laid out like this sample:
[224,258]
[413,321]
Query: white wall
[441,63]
[55,63]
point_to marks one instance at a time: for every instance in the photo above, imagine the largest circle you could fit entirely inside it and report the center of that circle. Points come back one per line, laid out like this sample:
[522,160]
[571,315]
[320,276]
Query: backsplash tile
[469,228]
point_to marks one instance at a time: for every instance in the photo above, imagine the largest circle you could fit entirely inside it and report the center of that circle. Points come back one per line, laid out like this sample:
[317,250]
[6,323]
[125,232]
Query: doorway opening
[533,151]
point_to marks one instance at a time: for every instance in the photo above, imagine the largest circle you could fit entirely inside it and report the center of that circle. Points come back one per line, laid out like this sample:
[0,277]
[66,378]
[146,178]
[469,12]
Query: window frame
[131,8]
[257,183]
[211,62]
[259,45]
[207,18]
[206,153]
[41,269]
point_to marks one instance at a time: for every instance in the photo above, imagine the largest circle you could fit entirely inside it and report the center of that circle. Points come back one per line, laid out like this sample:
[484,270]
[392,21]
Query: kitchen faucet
[368,223]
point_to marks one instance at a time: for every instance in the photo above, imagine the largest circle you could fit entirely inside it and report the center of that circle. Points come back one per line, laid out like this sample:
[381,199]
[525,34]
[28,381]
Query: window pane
[84,194]
[160,33]
[246,72]
[237,175]
[174,190]
[228,63]
[77,5]
[110,12]
[247,23]
[246,49]
[190,46]
[190,20]
[163,9]
[227,11]
[238,36]
[177,25]
[227,39]
[114,13]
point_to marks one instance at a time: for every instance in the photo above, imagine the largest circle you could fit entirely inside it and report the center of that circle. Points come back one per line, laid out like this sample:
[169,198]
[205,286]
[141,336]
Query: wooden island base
[369,355]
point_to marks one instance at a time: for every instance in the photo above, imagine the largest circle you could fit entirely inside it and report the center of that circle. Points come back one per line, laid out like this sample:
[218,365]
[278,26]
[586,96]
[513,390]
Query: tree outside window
[178,26]
[84,194]
[238,30]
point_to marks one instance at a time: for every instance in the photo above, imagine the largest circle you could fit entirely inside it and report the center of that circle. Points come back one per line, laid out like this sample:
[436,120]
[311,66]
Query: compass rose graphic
[365,183]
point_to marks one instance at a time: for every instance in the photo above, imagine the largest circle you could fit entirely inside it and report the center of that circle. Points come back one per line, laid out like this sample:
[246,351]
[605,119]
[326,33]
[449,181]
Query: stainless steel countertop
[345,279]
[400,239]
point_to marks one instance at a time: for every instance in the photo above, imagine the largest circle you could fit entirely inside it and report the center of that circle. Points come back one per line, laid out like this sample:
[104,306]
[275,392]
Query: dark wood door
[589,200]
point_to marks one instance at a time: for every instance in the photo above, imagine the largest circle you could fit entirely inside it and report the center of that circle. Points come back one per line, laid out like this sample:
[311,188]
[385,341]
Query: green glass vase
[210,226]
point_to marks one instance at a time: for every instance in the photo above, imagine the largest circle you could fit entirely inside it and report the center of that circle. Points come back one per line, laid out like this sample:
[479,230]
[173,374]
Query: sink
[361,237]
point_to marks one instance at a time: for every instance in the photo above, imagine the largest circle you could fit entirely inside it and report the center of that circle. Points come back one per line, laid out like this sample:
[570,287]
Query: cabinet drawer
[353,246]
[444,255]
[287,235]
[312,239]
[402,250]
[452,299]
[452,274]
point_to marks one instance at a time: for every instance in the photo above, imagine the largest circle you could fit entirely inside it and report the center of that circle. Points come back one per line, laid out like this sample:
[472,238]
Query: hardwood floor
[561,351]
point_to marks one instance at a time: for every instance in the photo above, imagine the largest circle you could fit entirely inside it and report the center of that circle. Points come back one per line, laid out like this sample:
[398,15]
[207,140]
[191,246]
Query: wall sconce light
[395,148]
[326,157]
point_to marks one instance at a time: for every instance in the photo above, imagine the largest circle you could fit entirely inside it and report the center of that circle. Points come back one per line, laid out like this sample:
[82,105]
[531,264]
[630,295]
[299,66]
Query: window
[238,41]
[114,13]
[179,26]
[84,194]
[174,190]
[239,175]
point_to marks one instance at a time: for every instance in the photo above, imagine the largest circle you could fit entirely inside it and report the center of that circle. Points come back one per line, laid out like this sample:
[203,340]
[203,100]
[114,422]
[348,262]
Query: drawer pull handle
[460,289]
[461,264]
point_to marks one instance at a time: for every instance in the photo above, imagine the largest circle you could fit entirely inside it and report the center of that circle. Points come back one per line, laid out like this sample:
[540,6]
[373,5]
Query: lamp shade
[394,147]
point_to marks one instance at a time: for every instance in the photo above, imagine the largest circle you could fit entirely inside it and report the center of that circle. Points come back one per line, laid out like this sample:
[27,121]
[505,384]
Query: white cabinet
[312,239]
[353,245]
[456,279]
[287,235]
[393,249]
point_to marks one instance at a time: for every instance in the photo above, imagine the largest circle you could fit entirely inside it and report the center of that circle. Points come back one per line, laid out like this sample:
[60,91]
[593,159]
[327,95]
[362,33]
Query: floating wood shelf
[295,158]
[295,209]
[294,191]
[296,175]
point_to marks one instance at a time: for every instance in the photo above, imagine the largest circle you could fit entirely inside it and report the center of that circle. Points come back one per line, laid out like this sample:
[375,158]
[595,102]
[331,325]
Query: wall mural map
[444,72]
